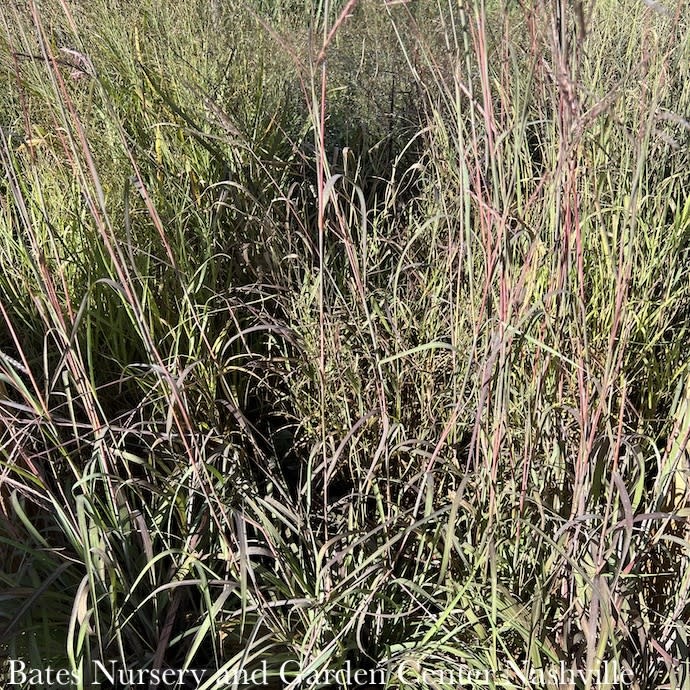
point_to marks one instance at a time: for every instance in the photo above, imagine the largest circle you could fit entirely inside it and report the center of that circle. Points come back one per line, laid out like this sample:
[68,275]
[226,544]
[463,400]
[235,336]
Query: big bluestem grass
[331,335]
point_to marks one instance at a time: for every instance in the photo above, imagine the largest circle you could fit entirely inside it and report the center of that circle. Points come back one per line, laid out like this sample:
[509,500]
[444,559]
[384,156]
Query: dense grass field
[345,335]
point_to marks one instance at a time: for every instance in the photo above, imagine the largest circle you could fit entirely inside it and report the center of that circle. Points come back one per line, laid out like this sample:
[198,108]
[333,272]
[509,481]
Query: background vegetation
[346,332]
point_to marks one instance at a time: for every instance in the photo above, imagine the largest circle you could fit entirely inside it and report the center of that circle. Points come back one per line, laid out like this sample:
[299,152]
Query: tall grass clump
[346,335]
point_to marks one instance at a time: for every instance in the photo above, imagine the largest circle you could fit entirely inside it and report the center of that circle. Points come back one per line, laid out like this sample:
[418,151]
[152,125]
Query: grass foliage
[346,331]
